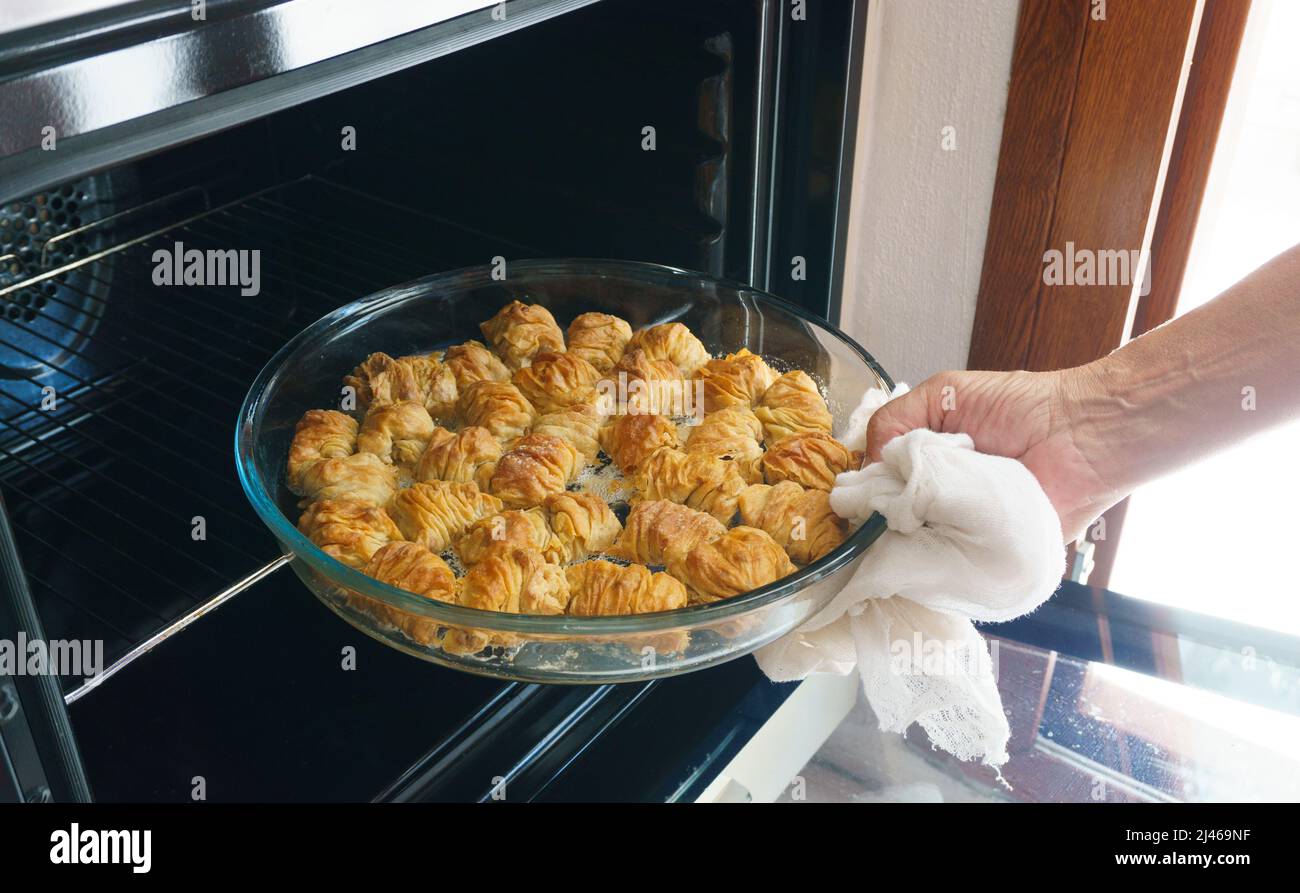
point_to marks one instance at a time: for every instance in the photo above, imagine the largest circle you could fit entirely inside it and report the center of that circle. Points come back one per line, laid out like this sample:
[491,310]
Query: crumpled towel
[970,537]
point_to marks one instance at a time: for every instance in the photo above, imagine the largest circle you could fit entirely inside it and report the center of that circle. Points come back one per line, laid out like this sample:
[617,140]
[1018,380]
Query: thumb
[897,417]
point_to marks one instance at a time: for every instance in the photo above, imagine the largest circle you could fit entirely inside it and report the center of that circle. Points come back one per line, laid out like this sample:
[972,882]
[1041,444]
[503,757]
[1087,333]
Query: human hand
[1033,417]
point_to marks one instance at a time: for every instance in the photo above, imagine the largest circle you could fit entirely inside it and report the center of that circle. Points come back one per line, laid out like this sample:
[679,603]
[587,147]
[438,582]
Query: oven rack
[103,489]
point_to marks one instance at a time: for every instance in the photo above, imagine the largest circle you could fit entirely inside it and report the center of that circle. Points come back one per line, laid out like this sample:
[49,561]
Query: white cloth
[970,537]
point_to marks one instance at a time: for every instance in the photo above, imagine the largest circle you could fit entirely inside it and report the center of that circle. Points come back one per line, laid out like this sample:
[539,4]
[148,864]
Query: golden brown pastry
[811,459]
[361,477]
[581,524]
[565,527]
[671,341]
[320,434]
[467,455]
[423,378]
[348,531]
[536,466]
[629,439]
[520,581]
[554,381]
[742,559]
[738,379]
[640,385]
[471,362]
[381,379]
[792,405]
[435,513]
[733,433]
[418,571]
[602,588]
[396,432]
[800,520]
[506,531]
[701,482]
[497,406]
[520,332]
[579,424]
[599,338]
[660,531]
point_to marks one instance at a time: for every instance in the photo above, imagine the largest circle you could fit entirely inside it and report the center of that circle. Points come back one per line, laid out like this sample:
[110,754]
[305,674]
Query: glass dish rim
[357,312]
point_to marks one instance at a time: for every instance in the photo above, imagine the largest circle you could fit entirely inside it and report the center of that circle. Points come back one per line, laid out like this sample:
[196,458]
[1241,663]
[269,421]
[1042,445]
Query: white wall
[918,213]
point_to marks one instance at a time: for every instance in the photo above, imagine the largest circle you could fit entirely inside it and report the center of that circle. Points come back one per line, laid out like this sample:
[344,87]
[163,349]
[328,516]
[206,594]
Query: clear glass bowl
[445,309]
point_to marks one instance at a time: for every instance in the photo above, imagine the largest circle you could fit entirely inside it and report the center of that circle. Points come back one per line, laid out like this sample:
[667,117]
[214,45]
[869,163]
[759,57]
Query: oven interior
[118,396]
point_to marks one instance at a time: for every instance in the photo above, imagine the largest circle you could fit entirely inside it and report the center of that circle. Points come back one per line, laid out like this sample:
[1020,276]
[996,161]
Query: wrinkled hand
[1033,417]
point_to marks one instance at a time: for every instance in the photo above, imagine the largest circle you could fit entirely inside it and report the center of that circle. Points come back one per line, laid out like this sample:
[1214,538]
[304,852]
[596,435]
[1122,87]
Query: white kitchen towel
[970,537]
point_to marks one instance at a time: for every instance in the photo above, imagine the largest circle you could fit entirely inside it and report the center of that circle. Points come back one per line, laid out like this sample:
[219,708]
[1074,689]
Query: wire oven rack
[105,485]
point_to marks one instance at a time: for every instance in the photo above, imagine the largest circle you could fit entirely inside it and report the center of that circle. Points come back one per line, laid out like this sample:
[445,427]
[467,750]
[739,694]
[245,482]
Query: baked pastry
[435,513]
[800,520]
[629,439]
[581,524]
[471,362]
[733,433]
[812,459]
[520,581]
[792,405]
[638,385]
[381,379]
[701,482]
[599,338]
[566,527]
[738,379]
[521,331]
[579,424]
[361,477]
[435,382]
[396,432]
[348,531]
[497,406]
[468,455]
[659,531]
[554,381]
[506,531]
[602,588]
[418,571]
[536,466]
[742,559]
[671,341]
[319,434]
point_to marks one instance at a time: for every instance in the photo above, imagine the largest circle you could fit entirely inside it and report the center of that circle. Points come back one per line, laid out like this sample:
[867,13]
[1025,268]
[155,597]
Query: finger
[898,416]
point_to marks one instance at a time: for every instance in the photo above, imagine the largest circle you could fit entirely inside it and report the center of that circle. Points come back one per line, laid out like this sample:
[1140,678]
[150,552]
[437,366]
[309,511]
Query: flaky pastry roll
[535,467]
[742,559]
[319,434]
[671,341]
[599,338]
[800,520]
[396,432]
[792,405]
[629,439]
[602,588]
[465,456]
[499,407]
[554,381]
[811,459]
[436,513]
[519,332]
[348,531]
[696,480]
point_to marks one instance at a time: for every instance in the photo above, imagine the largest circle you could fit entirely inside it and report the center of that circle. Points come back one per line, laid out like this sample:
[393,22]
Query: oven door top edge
[128,91]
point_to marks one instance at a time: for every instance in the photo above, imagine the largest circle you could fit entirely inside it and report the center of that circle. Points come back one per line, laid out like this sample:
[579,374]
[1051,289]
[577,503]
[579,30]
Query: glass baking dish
[444,309]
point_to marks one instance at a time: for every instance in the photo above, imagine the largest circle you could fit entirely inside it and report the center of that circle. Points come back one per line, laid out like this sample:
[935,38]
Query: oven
[352,146]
